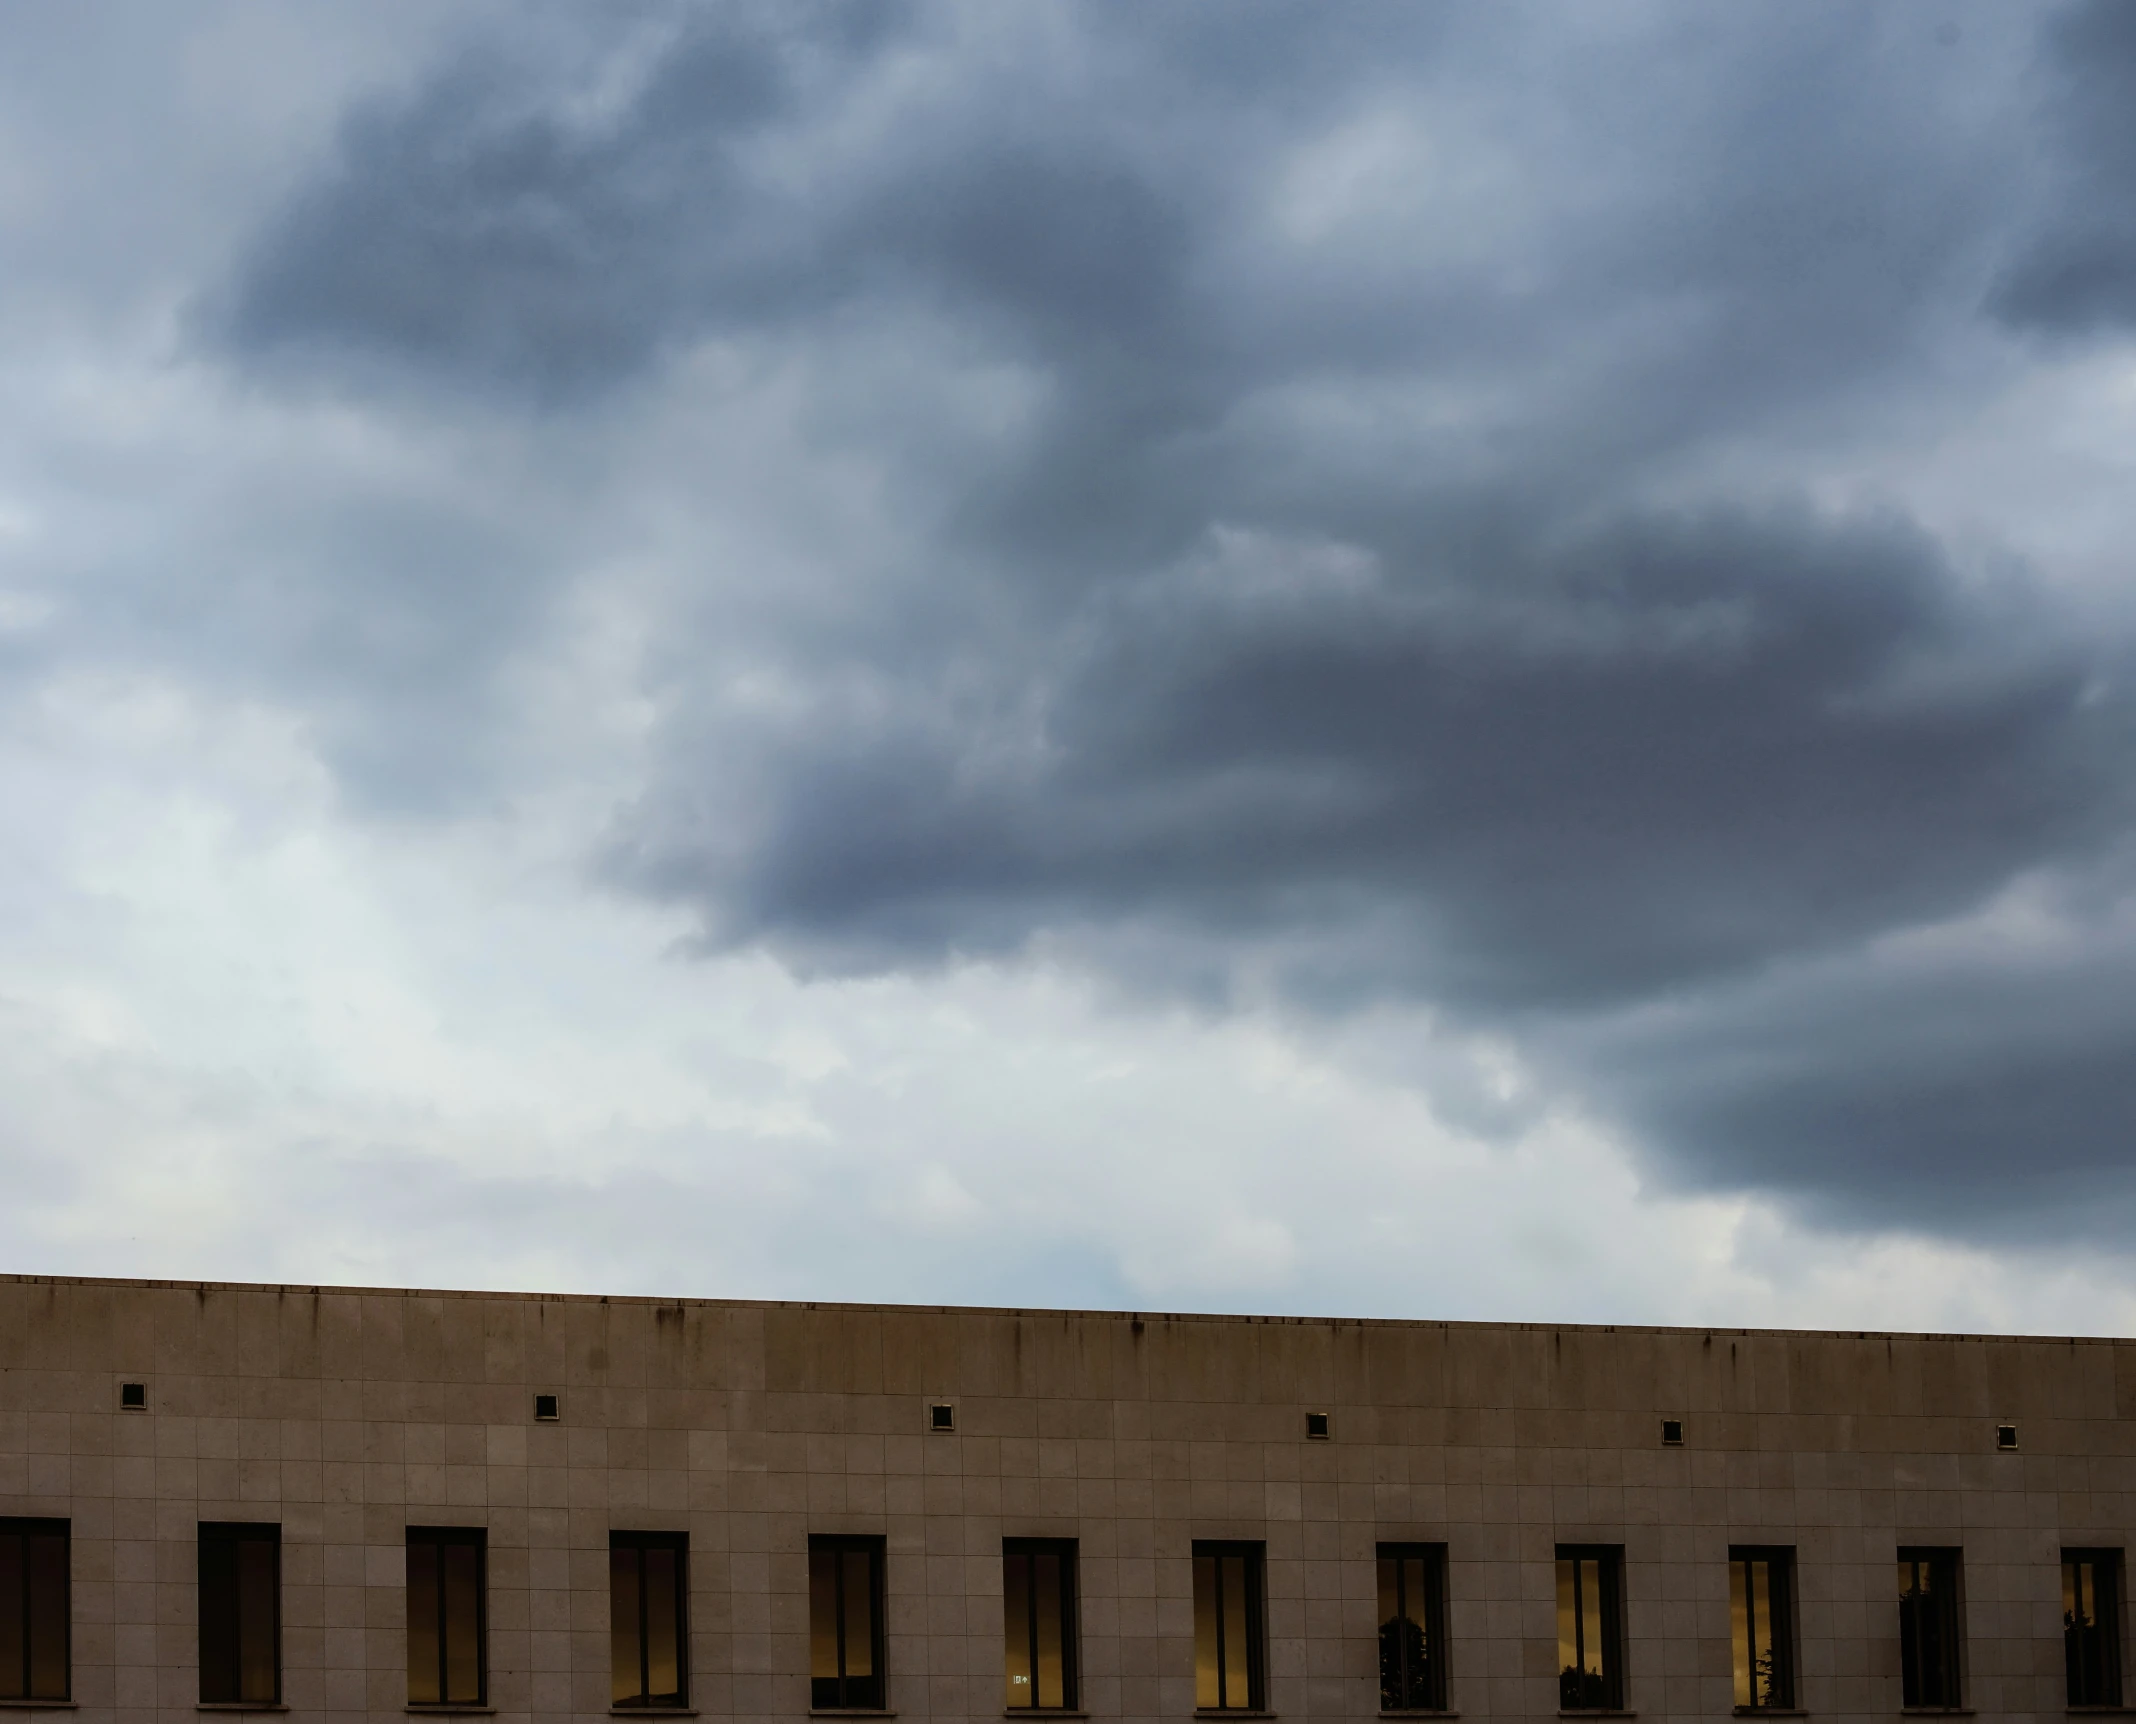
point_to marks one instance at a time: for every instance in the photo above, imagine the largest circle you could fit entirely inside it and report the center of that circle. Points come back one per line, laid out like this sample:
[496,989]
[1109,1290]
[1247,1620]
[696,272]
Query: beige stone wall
[348,1415]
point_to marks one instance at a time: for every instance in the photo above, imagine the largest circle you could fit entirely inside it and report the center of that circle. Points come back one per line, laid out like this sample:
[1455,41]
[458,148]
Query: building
[357,1504]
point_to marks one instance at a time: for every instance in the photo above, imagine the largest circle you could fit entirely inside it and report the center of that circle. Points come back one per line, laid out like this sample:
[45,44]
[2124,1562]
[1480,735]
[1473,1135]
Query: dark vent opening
[941,1417]
[2006,1436]
[545,1407]
[133,1395]
[1316,1424]
[1672,1430]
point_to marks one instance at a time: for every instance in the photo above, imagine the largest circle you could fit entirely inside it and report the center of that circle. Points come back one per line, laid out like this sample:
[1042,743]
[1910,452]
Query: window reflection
[1411,1617]
[647,1608]
[1038,1622]
[1761,1623]
[1929,1627]
[447,1655]
[35,1610]
[845,1628]
[1228,1662]
[240,1575]
[2091,1626]
[1589,1619]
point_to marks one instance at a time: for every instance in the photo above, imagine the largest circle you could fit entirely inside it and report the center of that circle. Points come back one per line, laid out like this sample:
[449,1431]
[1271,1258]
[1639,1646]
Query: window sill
[1595,1712]
[652,1712]
[1042,1712]
[39,1705]
[1771,1712]
[241,1706]
[1935,1712]
[849,1712]
[1423,1712]
[469,1709]
[1228,1712]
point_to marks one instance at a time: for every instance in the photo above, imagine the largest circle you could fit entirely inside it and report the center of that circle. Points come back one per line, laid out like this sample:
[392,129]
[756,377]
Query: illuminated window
[1590,1615]
[2091,1626]
[845,1623]
[1038,1622]
[1412,1627]
[240,1612]
[1228,1665]
[1761,1608]
[648,1618]
[1929,1618]
[448,1658]
[35,1610]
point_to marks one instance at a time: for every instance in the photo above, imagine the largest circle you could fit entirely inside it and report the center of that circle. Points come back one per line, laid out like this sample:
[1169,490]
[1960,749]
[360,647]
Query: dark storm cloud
[1657,754]
[2077,270]
[467,233]
[1980,1084]
[1361,593]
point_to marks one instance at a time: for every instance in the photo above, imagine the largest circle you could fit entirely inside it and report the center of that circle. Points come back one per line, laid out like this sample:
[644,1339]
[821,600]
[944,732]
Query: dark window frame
[1255,1572]
[1401,1690]
[221,1620]
[442,1537]
[641,1542]
[1929,1620]
[2092,1671]
[1780,1621]
[24,1528]
[1609,1578]
[1070,1624]
[844,1692]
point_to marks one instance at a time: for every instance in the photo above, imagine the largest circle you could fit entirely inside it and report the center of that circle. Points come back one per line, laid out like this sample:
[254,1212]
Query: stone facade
[347,1415]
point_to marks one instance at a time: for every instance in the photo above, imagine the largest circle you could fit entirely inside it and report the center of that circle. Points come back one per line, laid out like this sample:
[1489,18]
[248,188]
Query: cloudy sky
[1453,660]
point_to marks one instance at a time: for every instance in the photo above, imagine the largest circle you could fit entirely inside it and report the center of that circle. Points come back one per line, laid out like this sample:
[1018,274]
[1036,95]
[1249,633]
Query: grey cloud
[1669,751]
[479,230]
[476,230]
[1976,1081]
[1105,215]
[2077,270]
[1359,600]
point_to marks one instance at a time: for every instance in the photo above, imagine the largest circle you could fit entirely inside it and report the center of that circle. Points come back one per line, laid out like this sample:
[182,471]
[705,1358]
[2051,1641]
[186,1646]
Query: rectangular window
[1412,1627]
[448,1651]
[1038,1622]
[1590,1616]
[2091,1626]
[1761,1609]
[1929,1633]
[845,1623]
[240,1613]
[1228,1666]
[35,1610]
[648,1618]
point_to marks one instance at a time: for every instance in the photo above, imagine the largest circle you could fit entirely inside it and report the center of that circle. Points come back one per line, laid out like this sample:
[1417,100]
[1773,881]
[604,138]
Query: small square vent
[2006,1436]
[941,1416]
[1672,1432]
[545,1407]
[133,1397]
[1316,1425]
